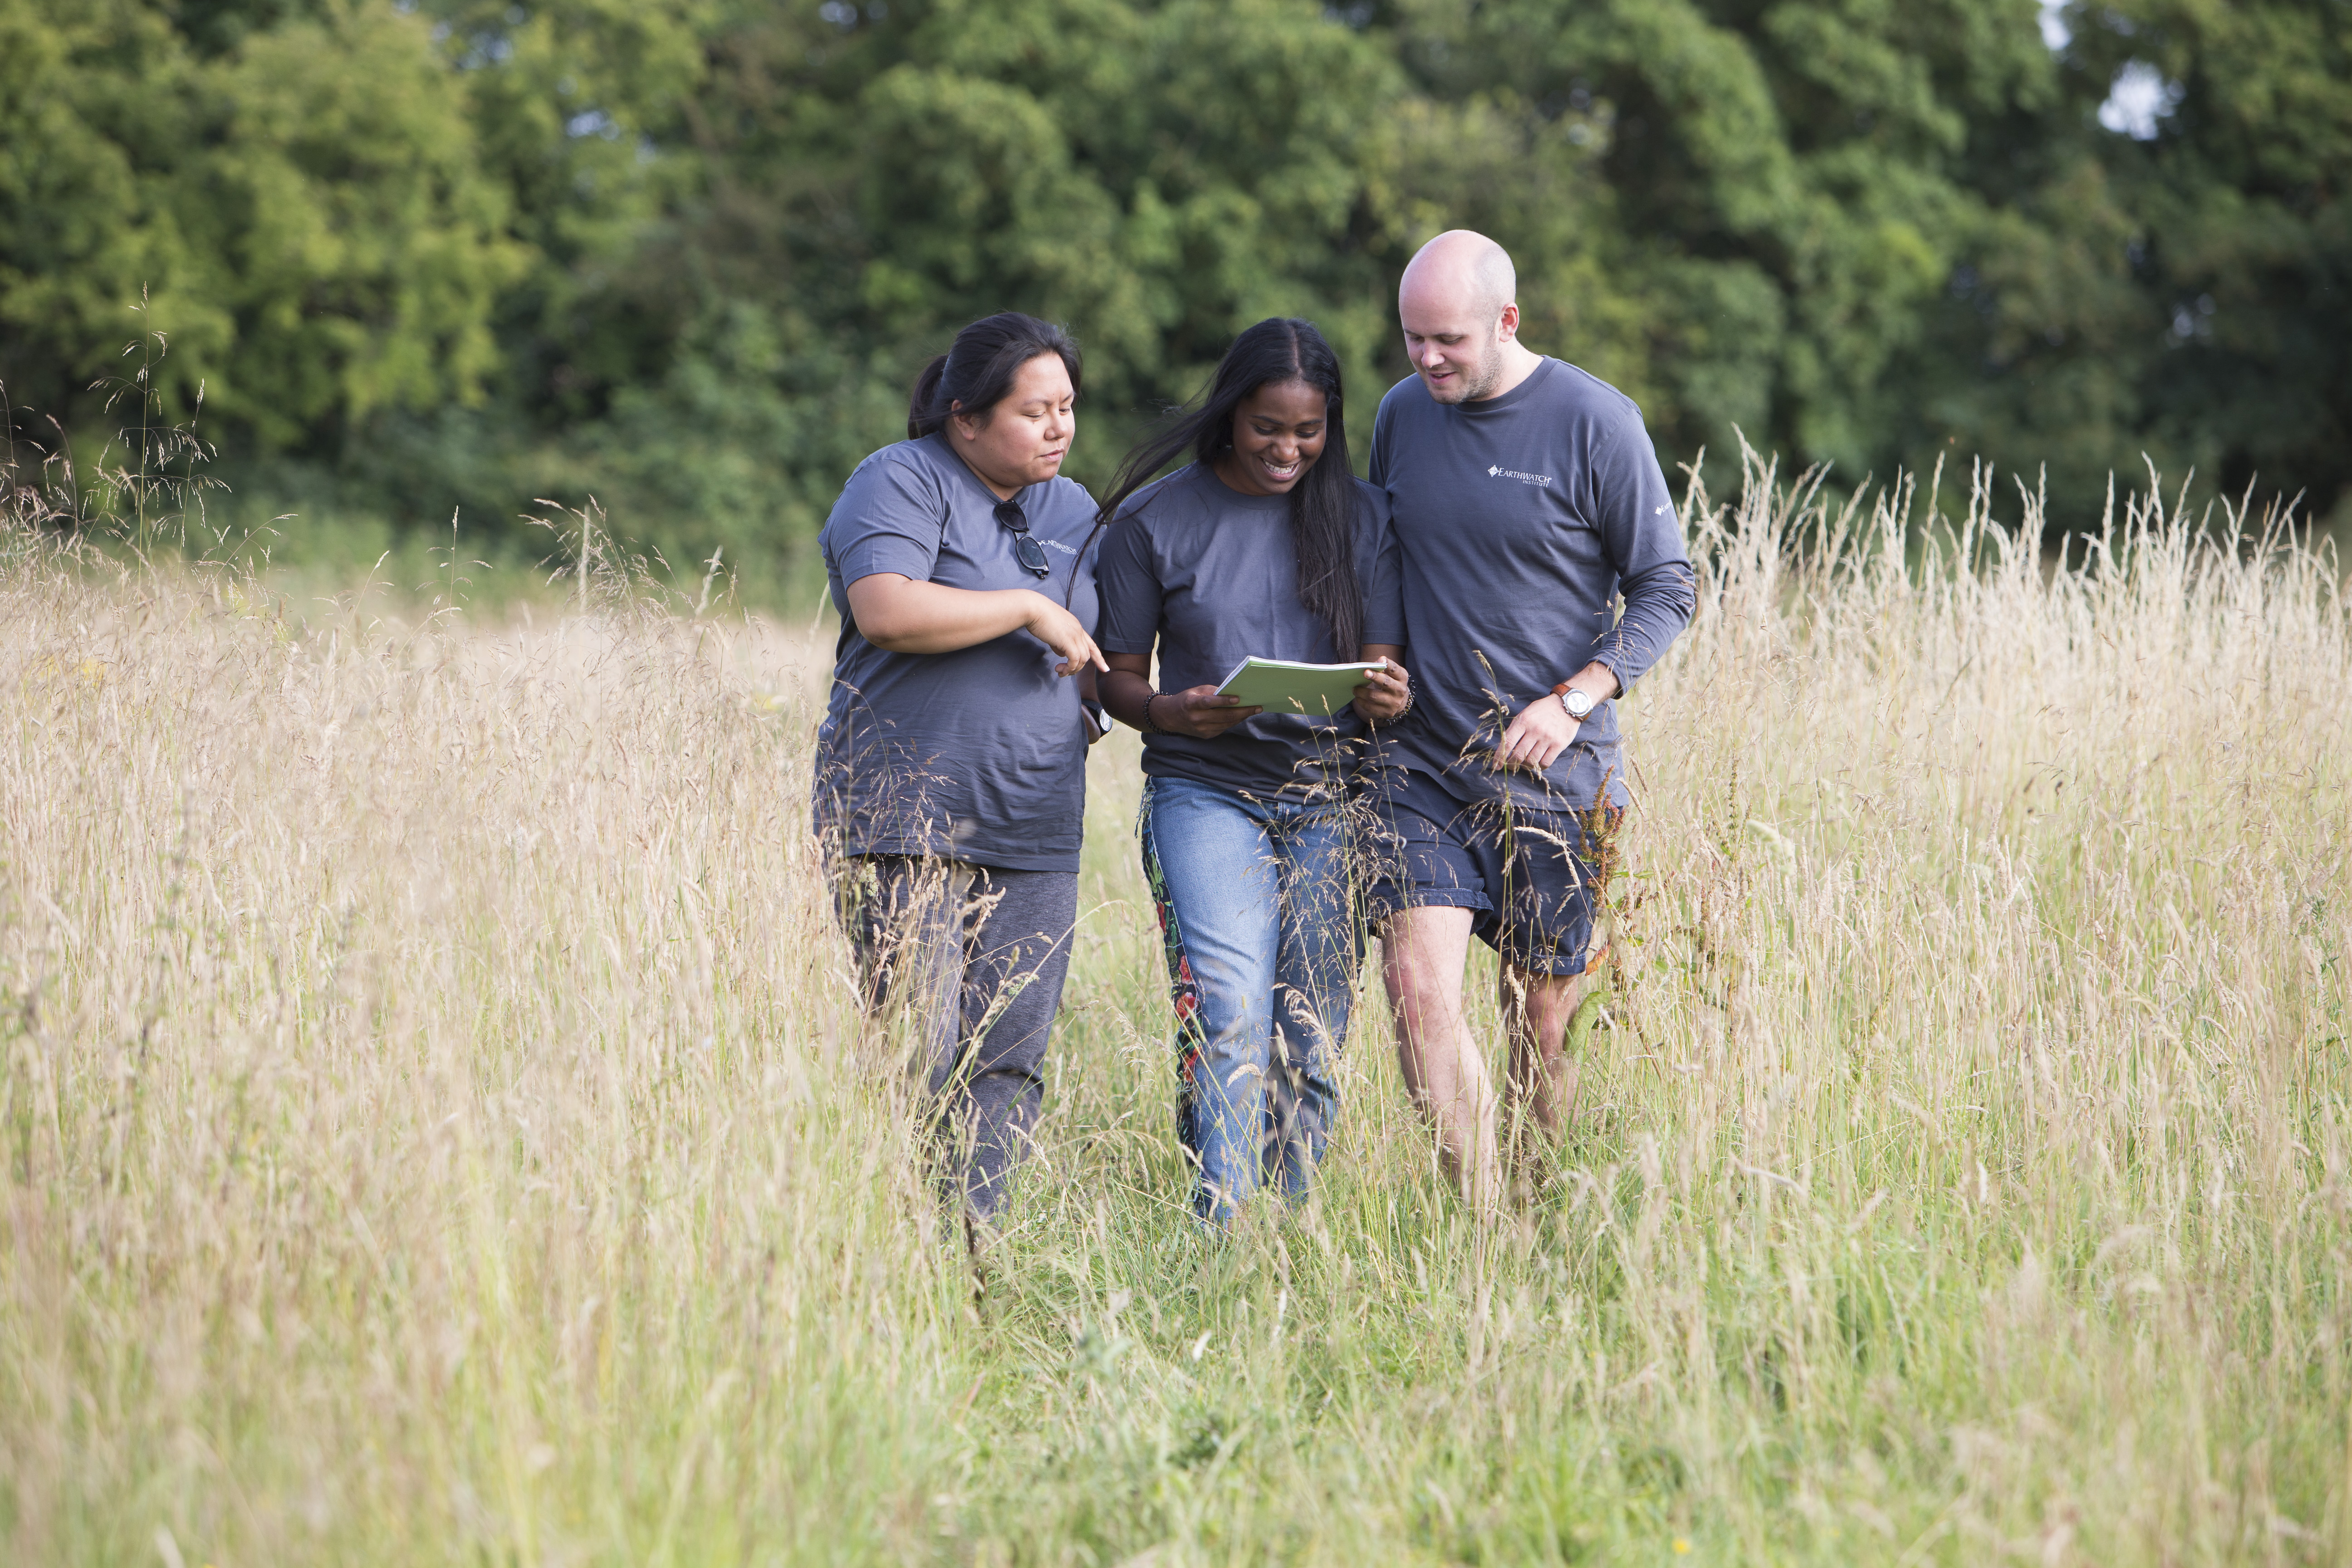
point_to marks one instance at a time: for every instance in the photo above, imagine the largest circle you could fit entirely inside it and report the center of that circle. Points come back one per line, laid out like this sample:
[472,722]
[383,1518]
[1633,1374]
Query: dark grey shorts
[1533,879]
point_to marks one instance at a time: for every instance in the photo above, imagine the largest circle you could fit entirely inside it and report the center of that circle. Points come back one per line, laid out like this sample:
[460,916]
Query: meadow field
[438,1127]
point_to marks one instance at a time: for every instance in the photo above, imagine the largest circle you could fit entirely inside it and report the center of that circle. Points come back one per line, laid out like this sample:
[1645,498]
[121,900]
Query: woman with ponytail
[950,770]
[1265,544]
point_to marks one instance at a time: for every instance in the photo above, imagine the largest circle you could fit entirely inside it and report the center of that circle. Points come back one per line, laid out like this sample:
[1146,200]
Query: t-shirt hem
[1288,789]
[995,859]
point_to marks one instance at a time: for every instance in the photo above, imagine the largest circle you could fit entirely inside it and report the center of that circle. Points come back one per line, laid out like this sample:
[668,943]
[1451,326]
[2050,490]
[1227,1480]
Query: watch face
[1579,704]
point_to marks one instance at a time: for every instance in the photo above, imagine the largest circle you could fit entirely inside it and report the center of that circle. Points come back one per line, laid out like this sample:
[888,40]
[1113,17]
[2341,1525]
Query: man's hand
[1539,732]
[1542,729]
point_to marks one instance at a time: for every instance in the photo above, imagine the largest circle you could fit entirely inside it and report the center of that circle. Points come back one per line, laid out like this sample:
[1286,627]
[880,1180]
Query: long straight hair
[1323,501]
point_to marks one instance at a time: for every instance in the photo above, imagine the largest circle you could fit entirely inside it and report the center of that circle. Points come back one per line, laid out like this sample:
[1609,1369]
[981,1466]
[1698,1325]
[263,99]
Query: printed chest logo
[1057,545]
[1525,478]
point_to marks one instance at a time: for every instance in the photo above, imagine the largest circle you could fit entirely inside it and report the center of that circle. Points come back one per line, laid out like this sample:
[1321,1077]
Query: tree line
[685,254]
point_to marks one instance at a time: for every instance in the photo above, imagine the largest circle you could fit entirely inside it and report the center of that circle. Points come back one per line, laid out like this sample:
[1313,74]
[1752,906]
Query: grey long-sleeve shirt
[1519,521]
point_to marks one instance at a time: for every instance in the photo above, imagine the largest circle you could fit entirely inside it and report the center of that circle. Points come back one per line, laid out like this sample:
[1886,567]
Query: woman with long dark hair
[950,772]
[1265,544]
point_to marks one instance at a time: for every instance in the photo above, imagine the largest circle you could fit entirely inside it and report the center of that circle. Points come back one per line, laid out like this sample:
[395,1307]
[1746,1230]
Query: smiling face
[1455,339]
[1022,440]
[1278,432]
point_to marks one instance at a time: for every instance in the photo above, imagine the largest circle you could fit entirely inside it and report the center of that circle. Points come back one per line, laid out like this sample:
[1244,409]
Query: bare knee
[1422,951]
[1540,1005]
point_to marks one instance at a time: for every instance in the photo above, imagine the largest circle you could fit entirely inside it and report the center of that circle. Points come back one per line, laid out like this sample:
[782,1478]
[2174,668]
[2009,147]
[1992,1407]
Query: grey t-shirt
[976,756]
[1521,517]
[1212,576]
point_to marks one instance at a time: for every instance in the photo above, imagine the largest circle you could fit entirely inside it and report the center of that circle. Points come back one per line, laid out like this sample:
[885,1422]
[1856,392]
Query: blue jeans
[1263,944]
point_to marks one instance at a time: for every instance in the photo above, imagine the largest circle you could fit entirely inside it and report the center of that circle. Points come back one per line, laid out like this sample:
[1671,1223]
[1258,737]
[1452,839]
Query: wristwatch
[1578,703]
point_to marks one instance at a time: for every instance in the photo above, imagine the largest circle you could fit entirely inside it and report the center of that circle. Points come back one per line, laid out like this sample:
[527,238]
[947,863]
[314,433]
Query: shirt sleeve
[1382,572]
[888,519]
[1644,536]
[1376,468]
[1129,582]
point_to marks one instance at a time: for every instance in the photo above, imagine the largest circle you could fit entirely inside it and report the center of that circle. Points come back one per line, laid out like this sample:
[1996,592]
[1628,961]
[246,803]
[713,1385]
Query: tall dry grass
[438,1127]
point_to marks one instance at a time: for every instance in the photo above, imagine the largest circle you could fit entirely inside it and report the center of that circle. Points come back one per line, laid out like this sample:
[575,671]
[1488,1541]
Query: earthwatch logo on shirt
[1502,473]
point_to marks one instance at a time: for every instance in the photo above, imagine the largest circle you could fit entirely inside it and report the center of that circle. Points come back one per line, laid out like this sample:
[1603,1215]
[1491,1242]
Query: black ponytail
[1322,503]
[926,392]
[976,375]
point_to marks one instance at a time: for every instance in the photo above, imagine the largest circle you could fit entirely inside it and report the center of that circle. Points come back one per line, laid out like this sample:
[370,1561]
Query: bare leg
[1422,954]
[1542,1085]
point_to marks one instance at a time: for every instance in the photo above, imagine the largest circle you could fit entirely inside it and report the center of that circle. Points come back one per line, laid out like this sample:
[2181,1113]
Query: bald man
[1528,498]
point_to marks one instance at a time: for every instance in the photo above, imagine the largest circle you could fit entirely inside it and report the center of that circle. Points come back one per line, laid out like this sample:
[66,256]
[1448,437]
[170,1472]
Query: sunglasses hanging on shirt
[1026,547]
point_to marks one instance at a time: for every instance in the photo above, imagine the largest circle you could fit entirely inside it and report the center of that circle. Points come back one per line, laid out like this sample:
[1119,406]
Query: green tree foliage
[305,200]
[2186,290]
[854,186]
[687,254]
[1791,186]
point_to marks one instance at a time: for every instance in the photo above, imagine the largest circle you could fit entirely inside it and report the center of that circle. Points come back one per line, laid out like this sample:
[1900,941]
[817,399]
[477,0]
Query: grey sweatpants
[976,956]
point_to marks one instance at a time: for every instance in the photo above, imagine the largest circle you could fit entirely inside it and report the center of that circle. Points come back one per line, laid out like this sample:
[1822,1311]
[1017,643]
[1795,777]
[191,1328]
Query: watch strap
[1562,692]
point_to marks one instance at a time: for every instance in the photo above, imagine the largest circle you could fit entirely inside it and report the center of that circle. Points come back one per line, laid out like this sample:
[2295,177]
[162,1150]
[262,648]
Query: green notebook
[1279,686]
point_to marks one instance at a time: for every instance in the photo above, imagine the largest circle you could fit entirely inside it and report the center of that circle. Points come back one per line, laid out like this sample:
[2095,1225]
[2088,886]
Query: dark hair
[976,372]
[1322,503]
